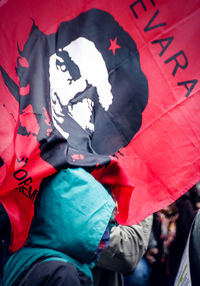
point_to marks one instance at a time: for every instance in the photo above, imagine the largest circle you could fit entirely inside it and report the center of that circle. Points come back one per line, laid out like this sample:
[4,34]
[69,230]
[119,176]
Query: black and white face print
[72,71]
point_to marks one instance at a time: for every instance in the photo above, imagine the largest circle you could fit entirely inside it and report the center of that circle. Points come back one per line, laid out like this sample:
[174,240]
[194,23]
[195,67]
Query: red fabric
[162,161]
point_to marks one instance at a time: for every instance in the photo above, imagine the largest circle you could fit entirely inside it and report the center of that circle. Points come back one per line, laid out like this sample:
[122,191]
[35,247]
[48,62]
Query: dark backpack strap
[24,273]
[51,273]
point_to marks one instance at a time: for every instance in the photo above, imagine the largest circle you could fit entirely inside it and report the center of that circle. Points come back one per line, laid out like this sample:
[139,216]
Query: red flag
[111,86]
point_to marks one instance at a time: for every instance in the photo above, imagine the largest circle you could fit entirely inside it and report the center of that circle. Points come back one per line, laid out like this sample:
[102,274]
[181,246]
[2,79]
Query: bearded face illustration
[71,73]
[86,89]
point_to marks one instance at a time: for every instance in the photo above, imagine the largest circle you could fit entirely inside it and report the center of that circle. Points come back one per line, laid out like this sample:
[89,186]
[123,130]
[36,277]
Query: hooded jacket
[72,211]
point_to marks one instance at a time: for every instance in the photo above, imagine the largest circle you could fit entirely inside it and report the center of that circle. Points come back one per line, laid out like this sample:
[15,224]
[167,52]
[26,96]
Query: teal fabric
[26,256]
[72,211]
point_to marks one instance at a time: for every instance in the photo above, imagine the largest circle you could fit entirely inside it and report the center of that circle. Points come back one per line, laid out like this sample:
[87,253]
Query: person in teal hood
[72,215]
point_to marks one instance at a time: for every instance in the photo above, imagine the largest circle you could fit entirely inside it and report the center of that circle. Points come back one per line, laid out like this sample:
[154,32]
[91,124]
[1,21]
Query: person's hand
[151,255]
[198,205]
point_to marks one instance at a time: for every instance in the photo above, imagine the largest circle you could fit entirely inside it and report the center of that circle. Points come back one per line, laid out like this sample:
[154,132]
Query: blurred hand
[151,255]
[198,205]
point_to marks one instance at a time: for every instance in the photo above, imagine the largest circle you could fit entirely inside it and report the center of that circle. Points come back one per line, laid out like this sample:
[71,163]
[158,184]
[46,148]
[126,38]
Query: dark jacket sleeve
[127,245]
[194,251]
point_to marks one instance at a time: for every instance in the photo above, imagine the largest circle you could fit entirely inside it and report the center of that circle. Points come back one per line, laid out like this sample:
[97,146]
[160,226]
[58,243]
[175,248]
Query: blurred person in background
[164,229]
[141,275]
[187,206]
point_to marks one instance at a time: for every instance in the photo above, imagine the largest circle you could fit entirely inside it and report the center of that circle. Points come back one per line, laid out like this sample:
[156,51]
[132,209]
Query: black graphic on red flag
[71,81]
[111,86]
[71,96]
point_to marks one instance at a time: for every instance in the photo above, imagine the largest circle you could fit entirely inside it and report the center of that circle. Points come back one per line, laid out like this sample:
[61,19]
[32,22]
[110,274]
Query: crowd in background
[171,227]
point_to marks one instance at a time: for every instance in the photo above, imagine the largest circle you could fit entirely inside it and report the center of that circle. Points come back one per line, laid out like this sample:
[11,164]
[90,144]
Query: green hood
[72,211]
